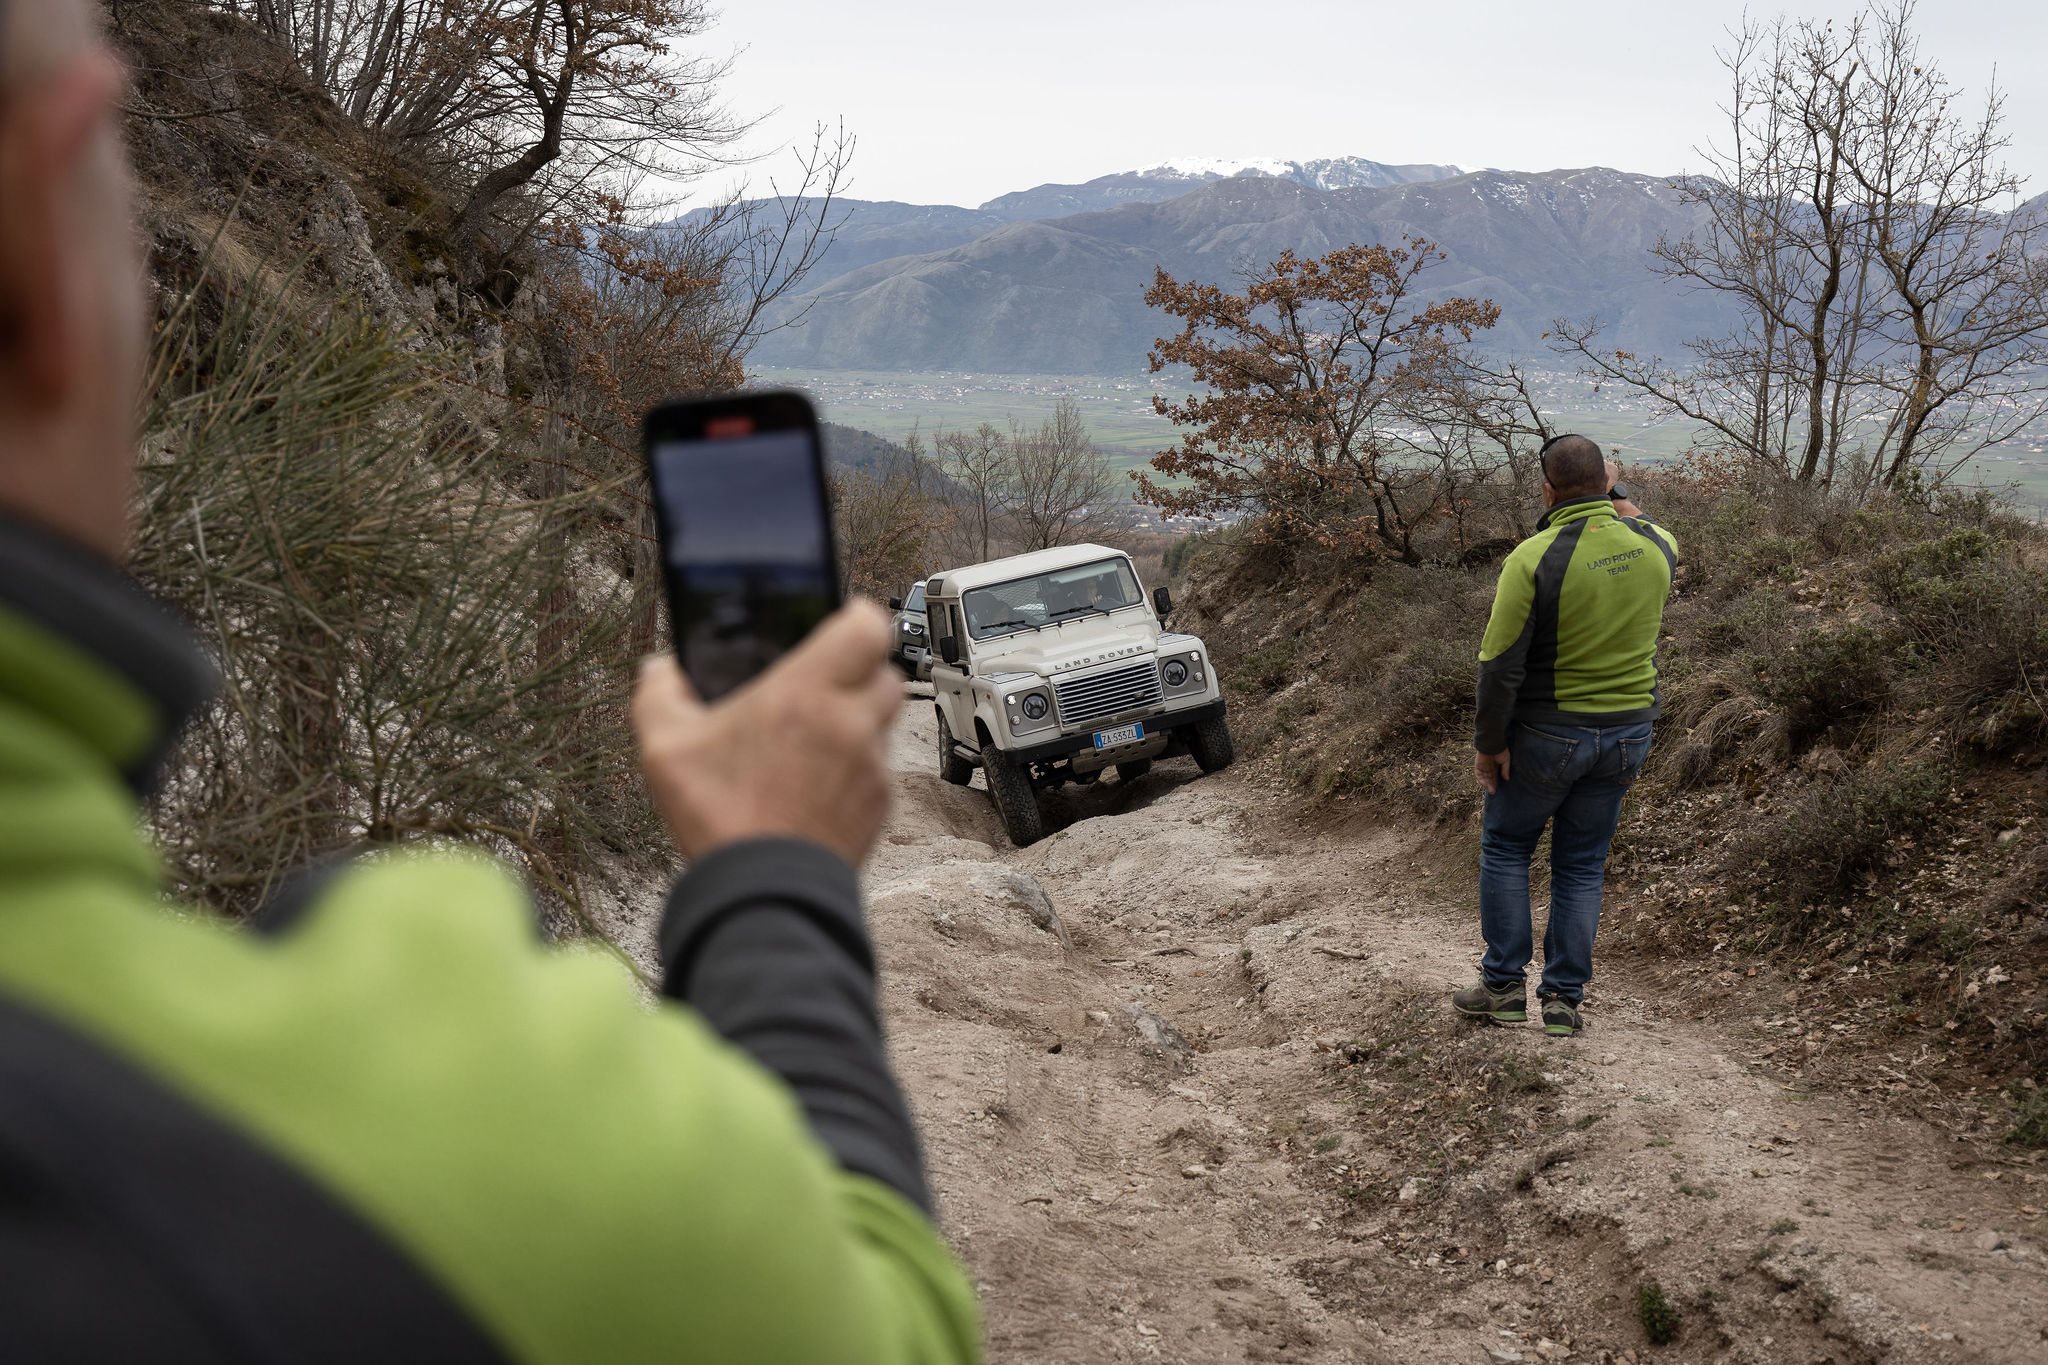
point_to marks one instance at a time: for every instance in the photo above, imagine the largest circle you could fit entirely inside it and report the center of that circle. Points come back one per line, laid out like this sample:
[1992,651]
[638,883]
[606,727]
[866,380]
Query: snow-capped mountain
[1181,174]
[1326,173]
[872,231]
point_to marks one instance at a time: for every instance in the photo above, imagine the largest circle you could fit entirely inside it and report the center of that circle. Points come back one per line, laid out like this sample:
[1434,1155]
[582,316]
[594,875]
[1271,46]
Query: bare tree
[413,70]
[1893,307]
[1059,482]
[882,515]
[551,112]
[626,317]
[1968,306]
[978,464]
[598,78]
[1476,436]
[1782,241]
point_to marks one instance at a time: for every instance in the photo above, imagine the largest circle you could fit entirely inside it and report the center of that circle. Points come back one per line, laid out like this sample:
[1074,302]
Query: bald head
[71,297]
[1574,467]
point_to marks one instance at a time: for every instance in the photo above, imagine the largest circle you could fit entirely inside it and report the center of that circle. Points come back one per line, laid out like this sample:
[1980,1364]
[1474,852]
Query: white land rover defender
[1051,667]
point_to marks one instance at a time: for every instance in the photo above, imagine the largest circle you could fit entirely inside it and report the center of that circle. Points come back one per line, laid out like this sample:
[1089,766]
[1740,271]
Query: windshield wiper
[998,625]
[1072,611]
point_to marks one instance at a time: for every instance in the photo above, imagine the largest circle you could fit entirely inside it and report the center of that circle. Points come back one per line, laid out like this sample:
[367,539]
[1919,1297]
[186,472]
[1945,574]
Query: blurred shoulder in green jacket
[400,1127]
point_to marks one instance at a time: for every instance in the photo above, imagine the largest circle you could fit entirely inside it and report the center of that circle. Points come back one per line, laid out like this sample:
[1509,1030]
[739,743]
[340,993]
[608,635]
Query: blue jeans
[1575,776]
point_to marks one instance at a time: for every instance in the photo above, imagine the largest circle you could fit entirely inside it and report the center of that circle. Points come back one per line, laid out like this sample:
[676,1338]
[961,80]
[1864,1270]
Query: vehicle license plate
[1123,734]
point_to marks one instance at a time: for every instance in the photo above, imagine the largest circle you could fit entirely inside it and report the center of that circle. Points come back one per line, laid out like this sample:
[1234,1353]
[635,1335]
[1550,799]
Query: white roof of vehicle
[1023,566]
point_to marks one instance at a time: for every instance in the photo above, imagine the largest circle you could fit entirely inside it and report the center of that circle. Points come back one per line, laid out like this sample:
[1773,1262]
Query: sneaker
[1481,1001]
[1561,1017]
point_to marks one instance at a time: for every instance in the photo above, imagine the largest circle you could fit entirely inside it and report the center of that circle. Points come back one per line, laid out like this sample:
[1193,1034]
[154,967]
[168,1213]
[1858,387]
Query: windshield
[1061,595]
[915,602]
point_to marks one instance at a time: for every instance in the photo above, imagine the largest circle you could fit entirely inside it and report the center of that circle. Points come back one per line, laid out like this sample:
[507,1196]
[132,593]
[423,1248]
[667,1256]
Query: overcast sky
[956,103]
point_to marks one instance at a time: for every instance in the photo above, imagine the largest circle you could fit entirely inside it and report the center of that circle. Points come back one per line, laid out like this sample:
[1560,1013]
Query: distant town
[1121,417]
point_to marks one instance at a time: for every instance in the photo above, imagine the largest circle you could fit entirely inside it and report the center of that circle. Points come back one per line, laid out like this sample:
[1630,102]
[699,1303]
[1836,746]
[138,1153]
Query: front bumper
[1059,748]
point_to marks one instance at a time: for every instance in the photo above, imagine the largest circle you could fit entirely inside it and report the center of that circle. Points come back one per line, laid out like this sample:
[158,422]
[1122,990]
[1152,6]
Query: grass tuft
[2030,1123]
[1657,1314]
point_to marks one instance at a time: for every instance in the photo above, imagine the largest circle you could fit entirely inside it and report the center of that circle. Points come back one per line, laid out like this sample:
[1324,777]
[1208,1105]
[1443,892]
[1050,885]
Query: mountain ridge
[1065,295]
[1174,177]
[872,230]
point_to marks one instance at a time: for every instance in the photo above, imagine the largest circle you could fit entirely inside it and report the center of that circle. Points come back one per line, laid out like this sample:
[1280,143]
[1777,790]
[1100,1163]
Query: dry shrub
[410,648]
[1697,755]
[1979,610]
[1827,678]
[1839,831]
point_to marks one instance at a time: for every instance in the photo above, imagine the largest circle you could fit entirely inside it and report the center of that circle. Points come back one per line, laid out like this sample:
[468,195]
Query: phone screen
[746,545]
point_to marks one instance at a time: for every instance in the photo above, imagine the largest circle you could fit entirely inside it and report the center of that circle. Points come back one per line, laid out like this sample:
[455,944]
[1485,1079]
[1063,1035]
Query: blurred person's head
[72,329]
[1573,467]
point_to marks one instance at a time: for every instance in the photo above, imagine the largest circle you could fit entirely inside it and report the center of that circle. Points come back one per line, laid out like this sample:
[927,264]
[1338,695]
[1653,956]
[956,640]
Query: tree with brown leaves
[1317,379]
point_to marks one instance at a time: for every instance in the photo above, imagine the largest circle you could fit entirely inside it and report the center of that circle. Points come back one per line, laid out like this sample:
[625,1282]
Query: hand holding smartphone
[743,513]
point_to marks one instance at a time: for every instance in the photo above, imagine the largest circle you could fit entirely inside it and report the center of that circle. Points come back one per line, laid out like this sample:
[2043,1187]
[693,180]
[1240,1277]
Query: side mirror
[1162,602]
[949,649]
[895,604]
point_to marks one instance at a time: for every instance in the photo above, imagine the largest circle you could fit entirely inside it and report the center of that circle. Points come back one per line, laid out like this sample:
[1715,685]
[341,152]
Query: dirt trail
[1229,1119]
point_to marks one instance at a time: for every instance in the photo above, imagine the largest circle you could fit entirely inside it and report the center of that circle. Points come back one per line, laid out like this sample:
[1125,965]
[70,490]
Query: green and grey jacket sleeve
[766,940]
[1504,650]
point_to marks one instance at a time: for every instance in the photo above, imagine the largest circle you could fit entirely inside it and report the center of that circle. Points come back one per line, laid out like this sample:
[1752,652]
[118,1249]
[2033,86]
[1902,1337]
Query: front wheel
[1209,742]
[952,767]
[1009,786]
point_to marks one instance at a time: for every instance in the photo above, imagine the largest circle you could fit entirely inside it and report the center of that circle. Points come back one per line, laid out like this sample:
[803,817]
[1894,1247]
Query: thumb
[662,692]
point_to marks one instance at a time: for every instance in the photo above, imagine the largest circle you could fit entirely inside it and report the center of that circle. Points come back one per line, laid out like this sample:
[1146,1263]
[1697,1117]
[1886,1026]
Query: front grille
[1086,700]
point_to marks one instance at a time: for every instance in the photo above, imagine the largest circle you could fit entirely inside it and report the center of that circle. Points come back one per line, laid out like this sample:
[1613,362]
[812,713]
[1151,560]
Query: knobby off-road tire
[1009,787]
[952,767]
[1133,770]
[1209,742]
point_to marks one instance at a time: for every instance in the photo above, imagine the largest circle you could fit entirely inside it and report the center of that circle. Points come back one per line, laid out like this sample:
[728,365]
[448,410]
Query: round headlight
[1176,673]
[1034,706]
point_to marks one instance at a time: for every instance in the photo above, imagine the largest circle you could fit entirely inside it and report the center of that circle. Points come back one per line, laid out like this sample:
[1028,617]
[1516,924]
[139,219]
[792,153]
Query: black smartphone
[741,505]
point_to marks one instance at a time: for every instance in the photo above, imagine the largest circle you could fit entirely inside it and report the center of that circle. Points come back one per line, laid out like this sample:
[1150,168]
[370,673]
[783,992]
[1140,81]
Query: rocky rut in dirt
[1190,1092]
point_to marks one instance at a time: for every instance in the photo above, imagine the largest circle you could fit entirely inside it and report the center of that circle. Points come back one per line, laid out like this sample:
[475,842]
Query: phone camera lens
[1034,706]
[1176,673]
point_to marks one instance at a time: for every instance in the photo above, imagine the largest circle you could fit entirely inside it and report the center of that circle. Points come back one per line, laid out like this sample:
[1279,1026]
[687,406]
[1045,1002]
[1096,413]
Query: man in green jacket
[1567,691]
[394,1126]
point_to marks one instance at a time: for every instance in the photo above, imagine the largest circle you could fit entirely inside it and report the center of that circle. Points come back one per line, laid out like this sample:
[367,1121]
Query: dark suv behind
[907,644]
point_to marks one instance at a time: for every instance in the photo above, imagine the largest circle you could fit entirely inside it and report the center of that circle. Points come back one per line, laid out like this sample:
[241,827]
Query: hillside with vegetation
[1849,776]
[405,330]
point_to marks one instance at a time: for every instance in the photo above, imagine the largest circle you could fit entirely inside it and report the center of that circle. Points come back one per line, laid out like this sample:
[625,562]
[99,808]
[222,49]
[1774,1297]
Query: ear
[44,147]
